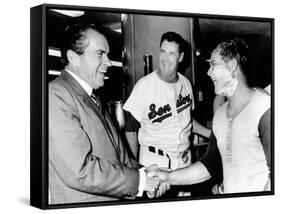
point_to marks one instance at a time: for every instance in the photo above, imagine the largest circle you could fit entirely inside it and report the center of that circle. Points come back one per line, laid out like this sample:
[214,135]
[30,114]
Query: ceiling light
[53,72]
[72,13]
[118,30]
[115,26]
[54,52]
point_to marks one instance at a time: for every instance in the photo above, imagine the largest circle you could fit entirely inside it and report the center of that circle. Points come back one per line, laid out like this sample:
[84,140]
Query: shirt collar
[83,84]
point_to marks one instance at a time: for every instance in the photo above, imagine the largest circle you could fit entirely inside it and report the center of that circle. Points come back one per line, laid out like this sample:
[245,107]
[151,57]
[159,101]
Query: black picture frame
[39,77]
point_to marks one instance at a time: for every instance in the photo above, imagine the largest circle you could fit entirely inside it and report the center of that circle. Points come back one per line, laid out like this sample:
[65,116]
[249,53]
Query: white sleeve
[134,103]
[189,86]
[142,181]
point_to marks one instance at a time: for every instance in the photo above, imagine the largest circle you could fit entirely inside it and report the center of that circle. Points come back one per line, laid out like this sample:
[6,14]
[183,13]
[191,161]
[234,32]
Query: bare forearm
[201,130]
[196,173]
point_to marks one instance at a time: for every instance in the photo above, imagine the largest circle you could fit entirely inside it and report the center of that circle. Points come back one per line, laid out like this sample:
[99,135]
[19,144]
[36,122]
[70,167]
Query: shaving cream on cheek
[225,84]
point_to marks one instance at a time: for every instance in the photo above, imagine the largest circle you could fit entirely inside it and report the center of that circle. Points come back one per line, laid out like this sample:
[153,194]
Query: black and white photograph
[140,106]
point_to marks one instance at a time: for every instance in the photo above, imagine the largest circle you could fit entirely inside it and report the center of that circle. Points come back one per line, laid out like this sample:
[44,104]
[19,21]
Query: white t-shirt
[163,110]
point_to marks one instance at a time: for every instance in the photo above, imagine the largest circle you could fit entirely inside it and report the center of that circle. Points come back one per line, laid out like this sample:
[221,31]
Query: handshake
[157,181]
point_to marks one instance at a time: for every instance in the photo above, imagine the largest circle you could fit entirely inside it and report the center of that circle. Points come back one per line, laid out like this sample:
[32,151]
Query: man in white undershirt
[240,144]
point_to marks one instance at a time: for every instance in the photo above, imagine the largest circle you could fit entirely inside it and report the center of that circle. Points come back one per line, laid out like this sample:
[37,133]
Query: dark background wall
[143,33]
[140,34]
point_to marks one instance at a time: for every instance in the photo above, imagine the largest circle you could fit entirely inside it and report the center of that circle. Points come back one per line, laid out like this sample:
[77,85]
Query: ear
[72,57]
[181,56]
[233,65]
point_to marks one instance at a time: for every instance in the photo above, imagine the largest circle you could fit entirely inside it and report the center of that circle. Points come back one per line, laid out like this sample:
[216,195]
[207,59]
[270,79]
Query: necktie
[96,99]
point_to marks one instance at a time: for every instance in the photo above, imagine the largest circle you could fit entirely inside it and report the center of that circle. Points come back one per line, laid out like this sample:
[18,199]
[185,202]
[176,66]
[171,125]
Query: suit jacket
[87,159]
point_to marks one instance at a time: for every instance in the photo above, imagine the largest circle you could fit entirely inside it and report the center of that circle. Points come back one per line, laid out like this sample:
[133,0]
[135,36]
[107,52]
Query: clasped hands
[157,181]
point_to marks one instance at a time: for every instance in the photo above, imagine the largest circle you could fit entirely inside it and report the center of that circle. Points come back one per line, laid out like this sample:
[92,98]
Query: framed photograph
[132,106]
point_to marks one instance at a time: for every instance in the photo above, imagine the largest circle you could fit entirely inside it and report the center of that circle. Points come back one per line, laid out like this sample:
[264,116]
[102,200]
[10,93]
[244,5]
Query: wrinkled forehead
[96,41]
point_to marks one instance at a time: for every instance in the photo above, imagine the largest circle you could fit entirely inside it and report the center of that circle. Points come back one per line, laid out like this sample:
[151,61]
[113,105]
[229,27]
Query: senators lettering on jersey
[183,100]
[182,103]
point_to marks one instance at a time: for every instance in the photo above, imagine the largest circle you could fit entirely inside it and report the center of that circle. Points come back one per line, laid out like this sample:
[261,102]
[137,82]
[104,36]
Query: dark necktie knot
[96,99]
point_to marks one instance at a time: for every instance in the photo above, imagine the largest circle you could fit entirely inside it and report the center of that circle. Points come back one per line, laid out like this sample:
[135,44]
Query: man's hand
[217,189]
[152,183]
[163,187]
[161,175]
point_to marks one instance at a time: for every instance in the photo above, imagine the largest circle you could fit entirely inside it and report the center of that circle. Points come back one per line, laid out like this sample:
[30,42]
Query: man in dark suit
[87,159]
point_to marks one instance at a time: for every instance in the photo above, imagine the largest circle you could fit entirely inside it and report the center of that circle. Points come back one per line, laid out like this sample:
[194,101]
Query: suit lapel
[77,88]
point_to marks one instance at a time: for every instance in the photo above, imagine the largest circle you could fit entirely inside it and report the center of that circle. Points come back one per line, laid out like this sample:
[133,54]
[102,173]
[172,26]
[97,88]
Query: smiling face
[169,60]
[219,71]
[94,62]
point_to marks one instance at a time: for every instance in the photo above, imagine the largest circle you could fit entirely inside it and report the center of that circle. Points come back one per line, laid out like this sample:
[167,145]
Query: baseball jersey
[163,110]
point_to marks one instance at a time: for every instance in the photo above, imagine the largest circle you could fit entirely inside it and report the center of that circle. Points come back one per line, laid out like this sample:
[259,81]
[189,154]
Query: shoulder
[262,94]
[57,85]
[146,81]
[268,89]
[60,89]
[148,78]
[266,118]
[262,99]
[185,80]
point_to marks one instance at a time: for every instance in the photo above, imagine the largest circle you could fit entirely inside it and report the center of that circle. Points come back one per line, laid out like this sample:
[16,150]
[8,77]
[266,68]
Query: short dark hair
[173,37]
[235,49]
[74,39]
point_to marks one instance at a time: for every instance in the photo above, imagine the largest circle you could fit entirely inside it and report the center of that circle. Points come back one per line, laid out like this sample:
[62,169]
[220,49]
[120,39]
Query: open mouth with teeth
[103,72]
[213,79]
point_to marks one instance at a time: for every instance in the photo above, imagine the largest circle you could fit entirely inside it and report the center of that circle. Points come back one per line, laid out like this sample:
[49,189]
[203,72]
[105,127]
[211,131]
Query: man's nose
[107,61]
[166,56]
